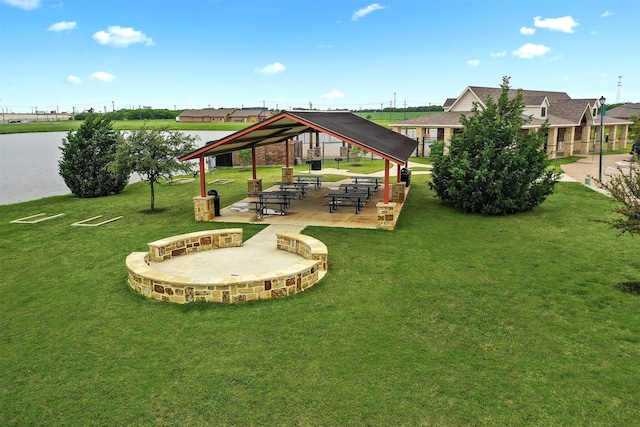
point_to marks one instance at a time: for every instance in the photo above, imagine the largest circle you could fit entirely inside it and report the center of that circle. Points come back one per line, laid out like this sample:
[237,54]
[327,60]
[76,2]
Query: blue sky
[60,54]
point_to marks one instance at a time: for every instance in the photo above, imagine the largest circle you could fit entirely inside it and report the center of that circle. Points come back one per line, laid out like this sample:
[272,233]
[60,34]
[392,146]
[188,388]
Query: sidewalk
[588,167]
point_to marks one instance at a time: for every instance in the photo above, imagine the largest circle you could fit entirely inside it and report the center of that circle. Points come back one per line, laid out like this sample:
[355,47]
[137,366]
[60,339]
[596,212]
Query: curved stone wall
[153,283]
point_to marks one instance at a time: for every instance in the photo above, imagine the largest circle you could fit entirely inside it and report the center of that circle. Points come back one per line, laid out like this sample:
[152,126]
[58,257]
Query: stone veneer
[152,283]
[287,174]
[397,192]
[386,215]
[254,185]
[203,208]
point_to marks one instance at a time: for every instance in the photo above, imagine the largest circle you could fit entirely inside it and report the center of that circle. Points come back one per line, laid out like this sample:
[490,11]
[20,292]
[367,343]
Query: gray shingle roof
[344,126]
[624,111]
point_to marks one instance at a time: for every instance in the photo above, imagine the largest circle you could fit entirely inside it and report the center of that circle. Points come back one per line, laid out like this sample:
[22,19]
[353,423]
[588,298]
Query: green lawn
[68,125]
[451,319]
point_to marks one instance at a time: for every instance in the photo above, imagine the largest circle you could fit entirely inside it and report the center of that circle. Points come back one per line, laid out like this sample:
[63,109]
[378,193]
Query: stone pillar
[203,207]
[397,192]
[569,138]
[386,215]
[254,185]
[287,174]
[613,134]
[552,144]
[586,139]
[624,136]
[420,133]
[344,152]
[448,133]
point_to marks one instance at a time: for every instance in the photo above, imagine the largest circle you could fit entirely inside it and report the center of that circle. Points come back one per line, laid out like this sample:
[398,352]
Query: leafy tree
[493,167]
[153,154]
[245,157]
[86,156]
[625,188]
[634,129]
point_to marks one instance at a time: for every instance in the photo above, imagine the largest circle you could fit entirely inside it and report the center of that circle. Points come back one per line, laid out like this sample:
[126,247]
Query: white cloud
[530,50]
[325,46]
[366,10]
[274,68]
[74,79]
[122,37]
[606,13]
[564,24]
[473,62]
[23,4]
[62,26]
[527,31]
[499,54]
[102,76]
[334,94]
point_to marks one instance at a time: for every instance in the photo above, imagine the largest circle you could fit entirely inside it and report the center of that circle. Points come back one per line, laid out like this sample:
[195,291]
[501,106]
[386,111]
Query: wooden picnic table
[357,200]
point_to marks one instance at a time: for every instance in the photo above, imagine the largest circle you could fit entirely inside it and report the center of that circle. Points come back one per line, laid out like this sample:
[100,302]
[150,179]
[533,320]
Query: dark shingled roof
[344,126]
[624,111]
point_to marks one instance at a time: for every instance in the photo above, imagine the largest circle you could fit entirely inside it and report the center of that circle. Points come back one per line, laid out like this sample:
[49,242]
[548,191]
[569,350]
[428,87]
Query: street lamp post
[603,110]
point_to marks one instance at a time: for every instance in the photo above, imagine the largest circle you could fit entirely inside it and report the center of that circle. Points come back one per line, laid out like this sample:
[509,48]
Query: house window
[595,112]
[543,112]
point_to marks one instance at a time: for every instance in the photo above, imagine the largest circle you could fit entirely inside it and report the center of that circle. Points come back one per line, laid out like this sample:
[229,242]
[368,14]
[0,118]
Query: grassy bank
[451,319]
[68,125]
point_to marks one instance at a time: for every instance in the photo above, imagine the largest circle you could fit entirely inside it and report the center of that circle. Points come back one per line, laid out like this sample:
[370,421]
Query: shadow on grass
[155,211]
[629,287]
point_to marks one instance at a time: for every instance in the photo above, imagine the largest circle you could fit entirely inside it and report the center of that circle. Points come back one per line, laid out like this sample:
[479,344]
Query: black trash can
[405,176]
[316,165]
[216,201]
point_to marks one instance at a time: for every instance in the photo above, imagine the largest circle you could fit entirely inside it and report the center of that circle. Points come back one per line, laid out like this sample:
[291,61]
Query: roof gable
[344,126]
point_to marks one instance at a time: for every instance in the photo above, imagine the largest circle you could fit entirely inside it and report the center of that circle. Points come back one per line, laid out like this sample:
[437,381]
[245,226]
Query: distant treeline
[139,114]
[421,109]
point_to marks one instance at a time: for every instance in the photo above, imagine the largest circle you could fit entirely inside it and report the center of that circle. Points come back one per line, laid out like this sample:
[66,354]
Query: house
[224,115]
[574,124]
[625,111]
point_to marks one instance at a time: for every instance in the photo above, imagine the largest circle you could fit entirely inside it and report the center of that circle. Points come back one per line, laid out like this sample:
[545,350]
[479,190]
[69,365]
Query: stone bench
[153,283]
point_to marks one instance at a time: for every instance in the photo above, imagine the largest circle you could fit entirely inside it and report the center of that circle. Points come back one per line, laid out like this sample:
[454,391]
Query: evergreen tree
[86,156]
[494,167]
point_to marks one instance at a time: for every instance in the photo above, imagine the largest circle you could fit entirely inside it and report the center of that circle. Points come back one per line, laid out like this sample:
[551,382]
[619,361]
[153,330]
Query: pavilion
[391,146]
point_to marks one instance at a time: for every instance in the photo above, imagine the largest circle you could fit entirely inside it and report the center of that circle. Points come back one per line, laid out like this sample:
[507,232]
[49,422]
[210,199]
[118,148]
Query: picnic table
[316,180]
[367,179]
[357,200]
[301,187]
[357,188]
[267,200]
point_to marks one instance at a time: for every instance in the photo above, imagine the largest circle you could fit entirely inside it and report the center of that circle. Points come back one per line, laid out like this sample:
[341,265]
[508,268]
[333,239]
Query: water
[29,164]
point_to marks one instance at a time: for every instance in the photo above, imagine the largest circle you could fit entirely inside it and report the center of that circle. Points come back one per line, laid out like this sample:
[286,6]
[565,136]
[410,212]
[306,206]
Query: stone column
[420,132]
[386,215]
[203,207]
[344,151]
[448,133]
[287,174]
[397,192]
[552,143]
[613,134]
[254,185]
[586,139]
[624,136]
[569,138]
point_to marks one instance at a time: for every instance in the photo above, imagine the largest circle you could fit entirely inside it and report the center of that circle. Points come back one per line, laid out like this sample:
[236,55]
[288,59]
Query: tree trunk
[153,197]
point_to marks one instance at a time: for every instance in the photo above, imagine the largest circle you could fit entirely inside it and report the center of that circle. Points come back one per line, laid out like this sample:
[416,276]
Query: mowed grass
[71,125]
[451,319]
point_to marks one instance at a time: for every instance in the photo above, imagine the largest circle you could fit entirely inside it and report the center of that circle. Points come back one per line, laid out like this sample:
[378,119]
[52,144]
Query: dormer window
[543,112]
[595,112]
